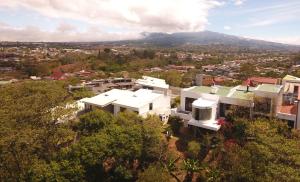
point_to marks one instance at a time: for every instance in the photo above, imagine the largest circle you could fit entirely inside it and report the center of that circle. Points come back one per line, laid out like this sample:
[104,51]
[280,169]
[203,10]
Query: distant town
[121,112]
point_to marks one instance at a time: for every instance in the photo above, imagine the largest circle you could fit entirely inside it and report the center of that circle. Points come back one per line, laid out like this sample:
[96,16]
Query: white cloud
[64,32]
[142,15]
[292,40]
[227,27]
[65,27]
[239,2]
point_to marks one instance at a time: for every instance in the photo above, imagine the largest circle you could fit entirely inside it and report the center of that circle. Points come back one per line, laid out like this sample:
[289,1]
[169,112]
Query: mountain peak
[210,38]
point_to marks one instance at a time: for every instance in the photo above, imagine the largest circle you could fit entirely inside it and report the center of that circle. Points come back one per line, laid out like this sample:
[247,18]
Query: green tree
[82,93]
[269,154]
[28,125]
[94,121]
[154,173]
[176,124]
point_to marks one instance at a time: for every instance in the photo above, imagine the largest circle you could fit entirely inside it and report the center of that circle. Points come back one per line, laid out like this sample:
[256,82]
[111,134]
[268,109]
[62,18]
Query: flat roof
[107,98]
[240,94]
[218,90]
[152,82]
[204,103]
[201,89]
[138,98]
[269,88]
[223,91]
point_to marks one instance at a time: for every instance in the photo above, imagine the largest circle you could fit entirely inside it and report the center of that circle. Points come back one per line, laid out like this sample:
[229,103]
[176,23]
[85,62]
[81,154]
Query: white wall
[189,94]
[161,105]
[186,93]
[298,116]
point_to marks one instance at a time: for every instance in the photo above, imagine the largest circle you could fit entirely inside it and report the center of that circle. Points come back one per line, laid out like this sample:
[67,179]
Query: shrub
[175,123]
[193,149]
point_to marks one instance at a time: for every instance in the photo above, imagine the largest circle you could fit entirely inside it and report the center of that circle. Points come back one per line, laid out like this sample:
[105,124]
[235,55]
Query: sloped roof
[266,80]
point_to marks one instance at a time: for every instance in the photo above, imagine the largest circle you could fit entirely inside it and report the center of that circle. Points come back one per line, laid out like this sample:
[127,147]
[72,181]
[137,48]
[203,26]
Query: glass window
[151,106]
[202,114]
[188,103]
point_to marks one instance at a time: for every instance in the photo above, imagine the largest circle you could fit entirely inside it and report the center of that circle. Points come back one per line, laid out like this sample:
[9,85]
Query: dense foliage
[35,146]
[100,147]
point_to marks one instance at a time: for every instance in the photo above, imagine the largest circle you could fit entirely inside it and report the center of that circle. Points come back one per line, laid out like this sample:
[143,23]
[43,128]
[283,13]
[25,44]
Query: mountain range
[205,38]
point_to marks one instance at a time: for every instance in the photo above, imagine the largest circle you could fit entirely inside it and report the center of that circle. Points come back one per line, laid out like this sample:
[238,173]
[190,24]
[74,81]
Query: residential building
[254,81]
[143,101]
[152,83]
[104,85]
[202,106]
[290,107]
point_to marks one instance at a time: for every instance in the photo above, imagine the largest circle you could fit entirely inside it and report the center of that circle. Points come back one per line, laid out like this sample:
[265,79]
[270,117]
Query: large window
[188,103]
[202,114]
[262,105]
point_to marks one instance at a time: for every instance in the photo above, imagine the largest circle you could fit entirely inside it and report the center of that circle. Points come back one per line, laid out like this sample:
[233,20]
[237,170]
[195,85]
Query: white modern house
[152,83]
[143,101]
[290,101]
[202,106]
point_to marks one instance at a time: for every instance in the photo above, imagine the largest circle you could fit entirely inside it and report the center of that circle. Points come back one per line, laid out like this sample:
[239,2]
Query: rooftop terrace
[269,88]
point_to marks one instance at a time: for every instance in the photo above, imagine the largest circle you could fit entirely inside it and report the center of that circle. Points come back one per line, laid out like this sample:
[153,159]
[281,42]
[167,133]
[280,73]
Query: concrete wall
[297,124]
[187,93]
[161,105]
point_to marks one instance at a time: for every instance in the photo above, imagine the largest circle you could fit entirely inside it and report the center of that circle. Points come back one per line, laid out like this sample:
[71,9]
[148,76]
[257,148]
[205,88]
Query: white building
[290,101]
[144,102]
[151,83]
[202,106]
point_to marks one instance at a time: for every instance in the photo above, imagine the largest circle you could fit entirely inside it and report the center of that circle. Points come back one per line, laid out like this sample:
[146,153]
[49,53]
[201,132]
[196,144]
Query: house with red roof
[254,81]
[58,75]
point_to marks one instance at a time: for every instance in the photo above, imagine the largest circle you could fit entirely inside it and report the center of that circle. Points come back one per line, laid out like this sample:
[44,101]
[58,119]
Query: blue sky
[92,20]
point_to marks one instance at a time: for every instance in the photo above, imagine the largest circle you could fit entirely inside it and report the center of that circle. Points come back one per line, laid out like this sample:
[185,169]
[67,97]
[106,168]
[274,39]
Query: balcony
[185,115]
[287,112]
[207,124]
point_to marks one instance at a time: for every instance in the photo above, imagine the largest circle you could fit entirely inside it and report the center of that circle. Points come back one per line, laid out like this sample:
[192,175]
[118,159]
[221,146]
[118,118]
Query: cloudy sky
[95,20]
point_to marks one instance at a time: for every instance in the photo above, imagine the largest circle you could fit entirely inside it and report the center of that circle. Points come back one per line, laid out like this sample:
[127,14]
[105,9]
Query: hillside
[207,38]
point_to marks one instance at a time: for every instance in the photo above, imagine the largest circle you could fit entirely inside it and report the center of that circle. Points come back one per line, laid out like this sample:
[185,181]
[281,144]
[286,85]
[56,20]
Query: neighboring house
[58,75]
[151,83]
[103,85]
[209,80]
[202,106]
[144,102]
[255,81]
[290,105]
